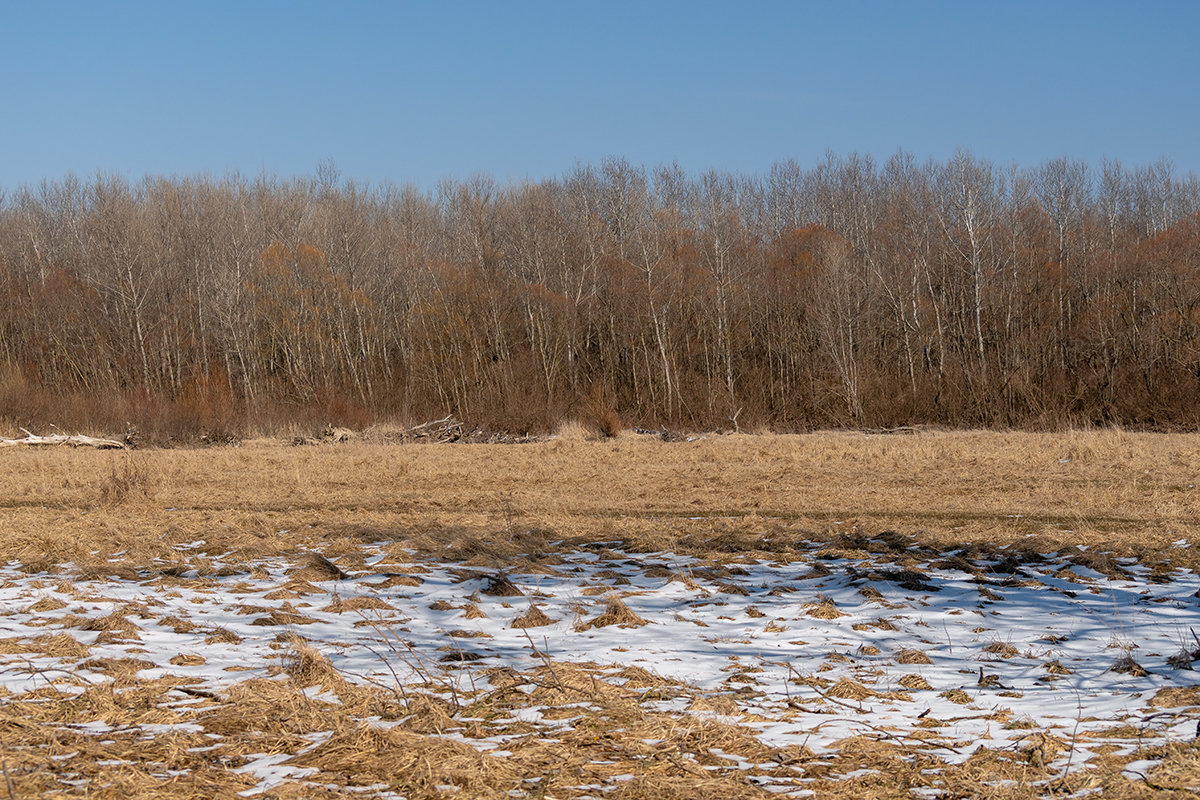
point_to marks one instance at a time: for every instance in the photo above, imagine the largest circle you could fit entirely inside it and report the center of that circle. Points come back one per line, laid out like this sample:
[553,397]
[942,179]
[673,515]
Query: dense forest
[852,293]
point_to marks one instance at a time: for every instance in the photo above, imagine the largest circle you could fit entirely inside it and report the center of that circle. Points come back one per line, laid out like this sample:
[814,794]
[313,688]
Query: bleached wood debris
[62,439]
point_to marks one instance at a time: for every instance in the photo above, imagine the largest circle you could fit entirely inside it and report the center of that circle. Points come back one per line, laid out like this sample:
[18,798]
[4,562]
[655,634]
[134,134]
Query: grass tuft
[615,613]
[533,618]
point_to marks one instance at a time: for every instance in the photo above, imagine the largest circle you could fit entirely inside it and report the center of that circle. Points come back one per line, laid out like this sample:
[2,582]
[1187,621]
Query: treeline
[852,293]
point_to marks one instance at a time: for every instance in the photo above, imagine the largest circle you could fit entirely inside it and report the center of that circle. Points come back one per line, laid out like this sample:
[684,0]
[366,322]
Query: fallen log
[61,440]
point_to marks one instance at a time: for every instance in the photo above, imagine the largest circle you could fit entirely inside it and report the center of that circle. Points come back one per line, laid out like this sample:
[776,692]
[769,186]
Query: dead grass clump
[472,611]
[615,613]
[274,713]
[294,588]
[1101,562]
[120,702]
[342,605]
[118,637]
[1175,696]
[282,617]
[1127,666]
[914,681]
[177,624]
[719,703]
[1055,668]
[46,604]
[246,610]
[115,622]
[957,563]
[188,660]
[117,667]
[958,696]
[222,636]
[598,412]
[102,570]
[307,666]
[1039,749]
[499,585]
[638,678]
[58,645]
[413,763]
[568,682]
[816,569]
[316,567]
[1183,659]
[533,618]
[425,714]
[848,689]
[399,580]
[910,656]
[871,593]
[1179,770]
[685,784]
[1002,649]
[880,624]
[825,609]
[126,484]
[574,431]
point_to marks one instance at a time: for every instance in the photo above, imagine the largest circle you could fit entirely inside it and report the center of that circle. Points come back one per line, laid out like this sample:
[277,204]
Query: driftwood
[447,430]
[61,439]
[665,435]
[903,430]
[328,435]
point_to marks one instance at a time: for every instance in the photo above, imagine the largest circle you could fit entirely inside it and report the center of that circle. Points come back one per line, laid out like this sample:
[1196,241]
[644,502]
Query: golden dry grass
[490,506]
[1131,493]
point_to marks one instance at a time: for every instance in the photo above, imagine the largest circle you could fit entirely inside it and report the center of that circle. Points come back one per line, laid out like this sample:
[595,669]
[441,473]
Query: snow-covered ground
[940,654]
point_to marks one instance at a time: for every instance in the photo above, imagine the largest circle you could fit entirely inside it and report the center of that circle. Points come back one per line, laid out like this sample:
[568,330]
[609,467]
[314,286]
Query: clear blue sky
[413,92]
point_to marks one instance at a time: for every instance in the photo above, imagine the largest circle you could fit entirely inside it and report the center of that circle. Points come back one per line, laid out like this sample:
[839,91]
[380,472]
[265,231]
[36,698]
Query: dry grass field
[255,620]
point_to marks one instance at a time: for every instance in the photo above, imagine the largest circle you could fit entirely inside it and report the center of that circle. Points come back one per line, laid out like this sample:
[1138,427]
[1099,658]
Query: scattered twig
[545,658]
[800,679]
[888,734]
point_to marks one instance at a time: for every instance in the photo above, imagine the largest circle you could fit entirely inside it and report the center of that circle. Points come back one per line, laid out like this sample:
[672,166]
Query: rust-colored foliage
[854,293]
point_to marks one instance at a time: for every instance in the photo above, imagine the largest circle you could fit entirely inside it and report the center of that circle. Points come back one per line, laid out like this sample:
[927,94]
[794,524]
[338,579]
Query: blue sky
[411,93]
